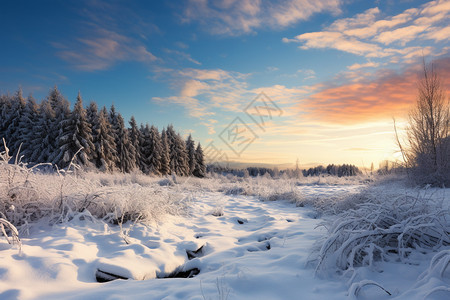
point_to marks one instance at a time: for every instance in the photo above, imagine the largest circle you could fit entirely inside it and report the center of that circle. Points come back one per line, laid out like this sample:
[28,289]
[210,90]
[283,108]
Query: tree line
[332,169]
[50,132]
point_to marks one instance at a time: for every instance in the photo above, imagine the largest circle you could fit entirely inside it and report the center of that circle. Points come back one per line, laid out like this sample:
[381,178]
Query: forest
[50,132]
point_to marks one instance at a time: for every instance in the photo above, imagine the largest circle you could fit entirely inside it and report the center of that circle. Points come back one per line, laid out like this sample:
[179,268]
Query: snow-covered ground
[249,249]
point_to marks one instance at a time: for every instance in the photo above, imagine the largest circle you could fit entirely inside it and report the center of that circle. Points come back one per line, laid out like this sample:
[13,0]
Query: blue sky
[338,70]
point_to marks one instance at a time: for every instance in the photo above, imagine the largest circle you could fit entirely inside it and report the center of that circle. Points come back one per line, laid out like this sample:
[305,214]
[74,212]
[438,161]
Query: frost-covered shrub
[291,196]
[168,181]
[236,190]
[335,180]
[384,226]
[28,195]
[266,189]
[7,228]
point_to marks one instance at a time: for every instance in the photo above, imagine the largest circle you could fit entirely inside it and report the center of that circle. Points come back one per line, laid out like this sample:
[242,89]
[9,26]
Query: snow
[250,250]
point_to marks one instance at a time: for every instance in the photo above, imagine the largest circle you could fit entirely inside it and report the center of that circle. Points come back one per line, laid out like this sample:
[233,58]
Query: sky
[254,81]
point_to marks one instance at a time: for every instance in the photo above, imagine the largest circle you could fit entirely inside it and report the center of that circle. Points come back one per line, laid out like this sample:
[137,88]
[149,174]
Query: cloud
[401,35]
[438,33]
[338,41]
[192,88]
[182,55]
[103,50]
[303,74]
[182,45]
[100,43]
[388,94]
[204,93]
[369,33]
[281,94]
[192,105]
[290,12]
[366,65]
[235,17]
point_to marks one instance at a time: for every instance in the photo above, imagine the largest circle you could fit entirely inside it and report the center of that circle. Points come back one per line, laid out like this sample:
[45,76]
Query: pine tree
[126,161]
[154,159]
[61,107]
[92,113]
[134,135]
[43,145]
[165,155]
[145,148]
[105,146]
[27,125]
[190,148]
[200,167]
[177,151]
[5,108]
[92,119]
[112,118]
[13,117]
[75,138]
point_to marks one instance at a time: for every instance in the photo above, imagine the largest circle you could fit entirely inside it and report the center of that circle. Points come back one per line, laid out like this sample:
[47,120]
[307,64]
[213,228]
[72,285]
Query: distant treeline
[50,132]
[334,170]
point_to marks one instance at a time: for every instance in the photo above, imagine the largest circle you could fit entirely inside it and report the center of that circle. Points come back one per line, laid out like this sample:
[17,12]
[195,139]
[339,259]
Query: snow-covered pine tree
[200,166]
[177,151]
[112,114]
[105,146]
[61,107]
[43,145]
[14,115]
[76,136]
[145,148]
[5,104]
[27,125]
[92,113]
[126,161]
[112,118]
[154,160]
[165,155]
[134,135]
[190,148]
[92,119]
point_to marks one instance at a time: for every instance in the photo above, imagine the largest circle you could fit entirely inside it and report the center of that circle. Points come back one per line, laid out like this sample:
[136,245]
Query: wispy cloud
[101,42]
[388,94]
[180,55]
[371,35]
[360,66]
[245,16]
[209,94]
[102,50]
[204,92]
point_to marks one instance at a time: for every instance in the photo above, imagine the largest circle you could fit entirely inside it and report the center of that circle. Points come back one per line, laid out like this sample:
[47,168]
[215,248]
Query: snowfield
[229,243]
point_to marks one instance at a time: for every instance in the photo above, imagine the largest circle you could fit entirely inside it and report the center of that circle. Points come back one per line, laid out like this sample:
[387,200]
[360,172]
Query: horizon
[319,82]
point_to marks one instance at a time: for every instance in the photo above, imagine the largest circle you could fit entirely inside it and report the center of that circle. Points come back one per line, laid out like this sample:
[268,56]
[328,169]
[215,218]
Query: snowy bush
[27,195]
[384,226]
[5,226]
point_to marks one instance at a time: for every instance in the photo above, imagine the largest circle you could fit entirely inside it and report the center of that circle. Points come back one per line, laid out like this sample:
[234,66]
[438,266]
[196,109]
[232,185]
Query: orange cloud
[388,95]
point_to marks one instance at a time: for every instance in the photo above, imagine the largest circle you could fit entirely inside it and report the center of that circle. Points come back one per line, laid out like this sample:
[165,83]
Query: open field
[235,238]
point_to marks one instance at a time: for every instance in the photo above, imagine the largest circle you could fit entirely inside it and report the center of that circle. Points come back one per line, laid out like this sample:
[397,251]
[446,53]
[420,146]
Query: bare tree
[427,148]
